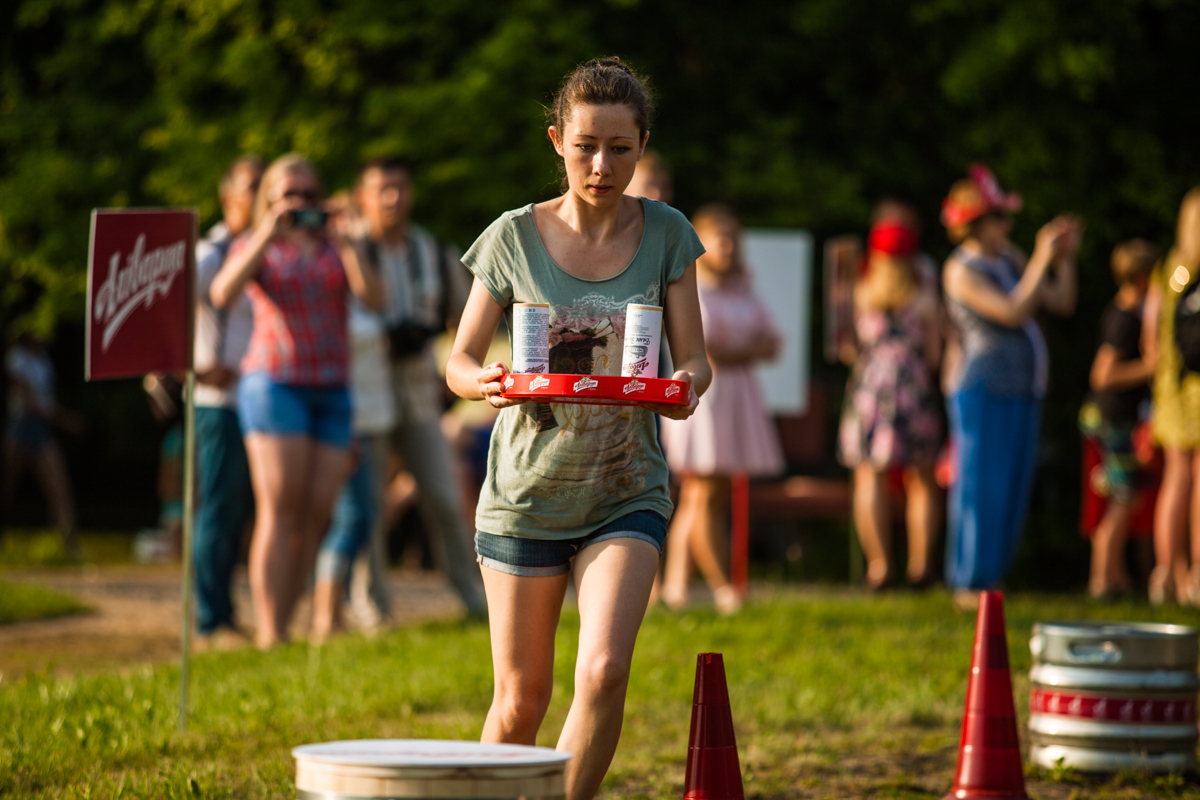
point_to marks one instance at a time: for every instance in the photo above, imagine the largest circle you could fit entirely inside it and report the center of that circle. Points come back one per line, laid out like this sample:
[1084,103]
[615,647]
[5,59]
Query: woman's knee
[602,674]
[522,702]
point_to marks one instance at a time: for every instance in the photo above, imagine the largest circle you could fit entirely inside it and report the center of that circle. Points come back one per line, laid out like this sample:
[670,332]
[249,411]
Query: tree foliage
[798,112]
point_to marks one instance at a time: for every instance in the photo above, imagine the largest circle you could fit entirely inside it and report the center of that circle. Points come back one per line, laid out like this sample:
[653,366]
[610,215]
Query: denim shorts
[280,409]
[544,558]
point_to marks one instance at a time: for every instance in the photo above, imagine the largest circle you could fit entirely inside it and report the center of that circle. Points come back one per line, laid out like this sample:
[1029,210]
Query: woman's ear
[552,132]
[642,151]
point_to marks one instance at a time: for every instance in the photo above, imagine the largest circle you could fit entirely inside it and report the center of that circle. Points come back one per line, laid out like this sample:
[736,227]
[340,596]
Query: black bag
[1187,326]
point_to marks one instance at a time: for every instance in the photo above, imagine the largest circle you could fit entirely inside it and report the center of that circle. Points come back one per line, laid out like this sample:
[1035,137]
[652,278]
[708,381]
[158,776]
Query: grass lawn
[834,695]
[44,548]
[23,601]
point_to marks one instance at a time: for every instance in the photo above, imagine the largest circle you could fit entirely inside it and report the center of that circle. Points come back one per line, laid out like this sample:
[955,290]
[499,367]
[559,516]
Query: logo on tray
[585,383]
[672,390]
[540,382]
[634,386]
[508,382]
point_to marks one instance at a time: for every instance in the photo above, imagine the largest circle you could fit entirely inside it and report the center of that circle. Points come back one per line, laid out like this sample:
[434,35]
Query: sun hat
[956,212]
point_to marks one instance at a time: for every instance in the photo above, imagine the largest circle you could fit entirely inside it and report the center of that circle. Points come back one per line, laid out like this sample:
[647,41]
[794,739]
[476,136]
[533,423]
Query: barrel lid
[427,753]
[1116,645]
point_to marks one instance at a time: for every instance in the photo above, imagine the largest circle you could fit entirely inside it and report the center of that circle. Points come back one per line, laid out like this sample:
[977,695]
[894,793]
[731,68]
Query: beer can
[531,337]
[643,337]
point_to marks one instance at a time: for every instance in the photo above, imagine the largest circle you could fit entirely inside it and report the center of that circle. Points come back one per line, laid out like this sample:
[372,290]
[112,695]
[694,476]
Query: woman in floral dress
[890,420]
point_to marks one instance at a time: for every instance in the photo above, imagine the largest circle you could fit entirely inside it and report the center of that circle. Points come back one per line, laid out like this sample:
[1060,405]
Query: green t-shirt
[560,471]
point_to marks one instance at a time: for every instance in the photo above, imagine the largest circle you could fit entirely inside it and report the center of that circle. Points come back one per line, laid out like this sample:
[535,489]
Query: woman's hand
[671,410]
[1047,244]
[491,387]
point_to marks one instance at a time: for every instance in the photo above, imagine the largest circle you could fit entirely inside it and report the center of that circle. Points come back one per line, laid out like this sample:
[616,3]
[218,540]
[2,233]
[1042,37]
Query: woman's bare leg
[523,615]
[924,517]
[329,472]
[678,569]
[280,469]
[1170,526]
[1108,572]
[613,580]
[710,541]
[873,519]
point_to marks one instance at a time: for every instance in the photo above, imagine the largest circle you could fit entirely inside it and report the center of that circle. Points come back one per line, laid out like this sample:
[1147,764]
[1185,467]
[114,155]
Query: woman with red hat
[890,419]
[994,388]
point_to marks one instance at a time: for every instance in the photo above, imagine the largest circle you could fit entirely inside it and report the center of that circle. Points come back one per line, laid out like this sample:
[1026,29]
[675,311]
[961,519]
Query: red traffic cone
[989,757]
[713,772]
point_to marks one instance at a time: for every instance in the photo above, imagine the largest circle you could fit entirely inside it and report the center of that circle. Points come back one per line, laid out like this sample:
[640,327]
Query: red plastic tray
[599,390]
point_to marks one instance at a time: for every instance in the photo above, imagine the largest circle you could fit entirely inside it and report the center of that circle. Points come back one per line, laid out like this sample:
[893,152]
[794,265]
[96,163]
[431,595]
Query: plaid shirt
[299,317]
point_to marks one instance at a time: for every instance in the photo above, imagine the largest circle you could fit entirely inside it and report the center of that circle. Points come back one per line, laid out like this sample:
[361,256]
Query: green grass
[24,601]
[44,548]
[833,695]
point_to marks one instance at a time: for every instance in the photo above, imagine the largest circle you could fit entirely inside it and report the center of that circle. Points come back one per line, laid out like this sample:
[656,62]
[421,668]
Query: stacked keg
[1111,696]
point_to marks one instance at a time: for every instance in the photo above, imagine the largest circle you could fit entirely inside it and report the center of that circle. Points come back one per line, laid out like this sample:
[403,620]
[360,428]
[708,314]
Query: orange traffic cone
[713,772]
[989,757]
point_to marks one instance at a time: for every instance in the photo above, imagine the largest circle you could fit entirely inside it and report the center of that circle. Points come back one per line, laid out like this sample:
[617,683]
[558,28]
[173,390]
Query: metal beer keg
[387,769]
[1108,696]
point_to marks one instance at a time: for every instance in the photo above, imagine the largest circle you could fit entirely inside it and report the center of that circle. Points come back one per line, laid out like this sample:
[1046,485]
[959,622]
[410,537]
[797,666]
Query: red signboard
[141,271]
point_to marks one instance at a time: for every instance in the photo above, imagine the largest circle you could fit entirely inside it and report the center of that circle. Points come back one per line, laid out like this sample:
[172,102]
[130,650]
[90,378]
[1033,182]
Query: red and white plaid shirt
[300,334]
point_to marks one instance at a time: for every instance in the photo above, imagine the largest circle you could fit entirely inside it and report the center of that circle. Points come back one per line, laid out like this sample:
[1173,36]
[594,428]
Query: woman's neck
[713,278]
[594,223]
[986,249]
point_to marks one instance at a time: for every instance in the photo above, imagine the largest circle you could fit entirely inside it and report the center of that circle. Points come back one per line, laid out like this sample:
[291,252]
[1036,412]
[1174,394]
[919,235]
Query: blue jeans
[225,504]
[353,517]
[281,409]
[543,558]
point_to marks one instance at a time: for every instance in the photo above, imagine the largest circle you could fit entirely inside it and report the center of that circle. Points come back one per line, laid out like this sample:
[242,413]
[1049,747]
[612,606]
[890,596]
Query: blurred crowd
[321,416]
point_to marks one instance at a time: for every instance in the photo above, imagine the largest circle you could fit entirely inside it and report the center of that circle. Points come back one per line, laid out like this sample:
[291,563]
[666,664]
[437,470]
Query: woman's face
[600,146]
[720,238]
[993,229]
[295,189]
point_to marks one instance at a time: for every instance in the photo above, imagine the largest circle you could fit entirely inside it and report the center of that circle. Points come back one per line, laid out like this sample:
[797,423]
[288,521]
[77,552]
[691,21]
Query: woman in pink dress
[731,432]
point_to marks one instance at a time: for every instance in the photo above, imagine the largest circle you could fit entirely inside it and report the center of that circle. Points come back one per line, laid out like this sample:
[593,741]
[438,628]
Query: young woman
[577,490]
[292,398]
[1175,419]
[996,384]
[890,419]
[732,433]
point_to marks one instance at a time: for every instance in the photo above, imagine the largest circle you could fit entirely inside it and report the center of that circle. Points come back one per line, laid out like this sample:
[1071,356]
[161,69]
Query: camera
[310,218]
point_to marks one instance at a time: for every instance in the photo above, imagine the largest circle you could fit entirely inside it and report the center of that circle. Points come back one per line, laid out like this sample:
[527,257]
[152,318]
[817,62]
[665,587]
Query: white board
[780,262]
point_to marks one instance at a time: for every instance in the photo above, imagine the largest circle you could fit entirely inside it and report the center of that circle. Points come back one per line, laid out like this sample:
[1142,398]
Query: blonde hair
[963,193]
[890,282]
[1133,259]
[1187,228]
[285,164]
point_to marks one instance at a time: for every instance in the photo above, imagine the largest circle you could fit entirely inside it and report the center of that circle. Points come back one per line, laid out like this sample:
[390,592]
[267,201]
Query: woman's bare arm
[241,267]
[685,334]
[1110,374]
[465,374]
[363,280]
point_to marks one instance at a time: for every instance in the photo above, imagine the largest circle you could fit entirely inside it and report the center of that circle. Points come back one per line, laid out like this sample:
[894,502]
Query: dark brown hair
[241,162]
[1133,259]
[385,163]
[603,82]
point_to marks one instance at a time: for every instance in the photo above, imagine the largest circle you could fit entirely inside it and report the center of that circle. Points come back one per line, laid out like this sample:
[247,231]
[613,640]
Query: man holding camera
[426,288]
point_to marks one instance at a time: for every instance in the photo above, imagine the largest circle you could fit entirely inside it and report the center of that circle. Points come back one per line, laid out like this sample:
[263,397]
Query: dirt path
[137,614]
